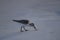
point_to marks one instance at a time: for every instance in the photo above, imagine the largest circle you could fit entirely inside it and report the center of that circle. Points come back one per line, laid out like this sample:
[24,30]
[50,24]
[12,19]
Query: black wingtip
[22,21]
[14,20]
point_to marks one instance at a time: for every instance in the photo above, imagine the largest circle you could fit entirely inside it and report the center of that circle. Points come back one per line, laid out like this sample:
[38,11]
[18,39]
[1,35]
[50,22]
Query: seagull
[25,22]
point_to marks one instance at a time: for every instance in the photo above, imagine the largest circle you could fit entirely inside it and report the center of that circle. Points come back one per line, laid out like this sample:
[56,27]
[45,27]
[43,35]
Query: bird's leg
[21,29]
[24,28]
